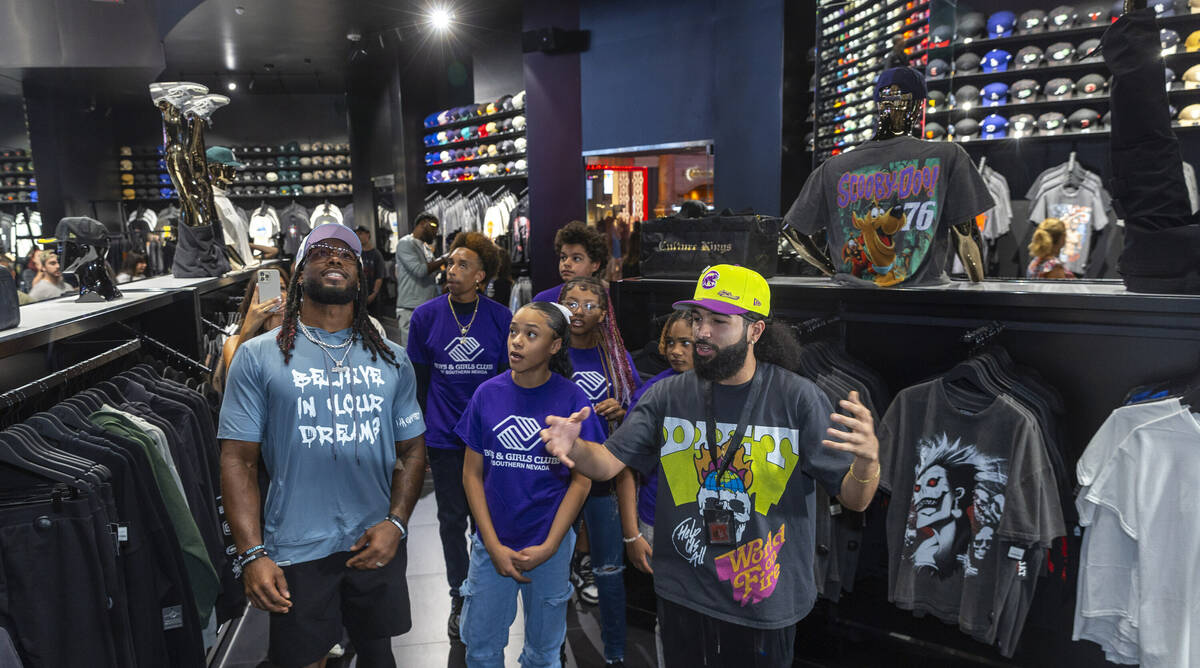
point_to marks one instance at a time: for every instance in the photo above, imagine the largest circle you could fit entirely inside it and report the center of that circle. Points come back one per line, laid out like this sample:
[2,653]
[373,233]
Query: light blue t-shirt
[328,439]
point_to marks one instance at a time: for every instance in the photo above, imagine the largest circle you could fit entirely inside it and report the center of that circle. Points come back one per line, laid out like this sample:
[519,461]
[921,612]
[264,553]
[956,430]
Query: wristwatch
[399,525]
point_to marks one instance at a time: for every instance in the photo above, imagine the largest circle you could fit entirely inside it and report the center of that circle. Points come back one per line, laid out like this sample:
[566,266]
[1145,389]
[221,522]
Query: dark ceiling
[301,46]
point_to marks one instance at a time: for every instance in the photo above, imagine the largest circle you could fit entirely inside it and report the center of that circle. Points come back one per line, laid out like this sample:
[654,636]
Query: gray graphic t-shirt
[887,205]
[974,507]
[765,580]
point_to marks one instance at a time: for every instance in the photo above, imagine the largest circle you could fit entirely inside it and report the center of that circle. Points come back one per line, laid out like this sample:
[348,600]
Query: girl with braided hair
[329,407]
[604,370]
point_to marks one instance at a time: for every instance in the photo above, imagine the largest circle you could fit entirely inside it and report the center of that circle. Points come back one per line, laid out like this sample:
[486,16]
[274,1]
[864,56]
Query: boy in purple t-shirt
[523,500]
[581,251]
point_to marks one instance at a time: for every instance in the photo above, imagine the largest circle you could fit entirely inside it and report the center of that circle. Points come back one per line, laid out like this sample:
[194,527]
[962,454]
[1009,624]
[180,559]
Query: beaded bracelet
[630,540]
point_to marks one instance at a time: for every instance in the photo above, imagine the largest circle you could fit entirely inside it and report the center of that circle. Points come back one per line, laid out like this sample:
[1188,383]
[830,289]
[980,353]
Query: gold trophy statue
[186,109]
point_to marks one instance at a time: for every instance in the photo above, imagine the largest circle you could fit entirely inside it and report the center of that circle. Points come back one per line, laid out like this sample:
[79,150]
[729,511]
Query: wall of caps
[290,169]
[17,180]
[1037,73]
[477,142]
[857,40]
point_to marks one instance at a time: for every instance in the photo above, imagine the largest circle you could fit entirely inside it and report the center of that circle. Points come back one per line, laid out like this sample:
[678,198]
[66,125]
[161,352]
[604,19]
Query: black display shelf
[243,153]
[879,11]
[1073,35]
[474,161]
[301,197]
[1042,103]
[15,158]
[486,179]
[15,189]
[1178,62]
[477,120]
[1094,134]
[296,168]
[883,50]
[871,13]
[476,140]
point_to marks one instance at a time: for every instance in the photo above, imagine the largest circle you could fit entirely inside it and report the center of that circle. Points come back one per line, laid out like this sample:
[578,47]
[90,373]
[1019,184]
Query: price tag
[1017,553]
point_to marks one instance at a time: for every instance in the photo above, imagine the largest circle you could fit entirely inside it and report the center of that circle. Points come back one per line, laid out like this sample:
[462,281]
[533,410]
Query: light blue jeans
[603,518]
[490,606]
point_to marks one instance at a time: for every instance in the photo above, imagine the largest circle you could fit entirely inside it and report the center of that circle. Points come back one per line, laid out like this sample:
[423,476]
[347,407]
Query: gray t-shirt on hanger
[766,579]
[974,507]
[888,206]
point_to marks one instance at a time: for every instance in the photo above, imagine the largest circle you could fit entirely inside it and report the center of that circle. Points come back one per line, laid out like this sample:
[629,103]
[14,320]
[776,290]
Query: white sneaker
[202,106]
[175,93]
[336,652]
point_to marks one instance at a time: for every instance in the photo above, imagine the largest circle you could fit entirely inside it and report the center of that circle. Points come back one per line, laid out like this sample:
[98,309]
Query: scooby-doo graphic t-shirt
[765,579]
[524,485]
[888,205]
[457,362]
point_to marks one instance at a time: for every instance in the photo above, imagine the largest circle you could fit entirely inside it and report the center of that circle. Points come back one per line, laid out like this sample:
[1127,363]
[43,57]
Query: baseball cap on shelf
[966,97]
[223,156]
[1194,6]
[995,94]
[996,60]
[970,25]
[967,63]
[934,131]
[1029,58]
[993,127]
[1051,123]
[1022,125]
[1091,84]
[1089,49]
[937,68]
[1059,89]
[1032,21]
[730,290]
[965,129]
[327,231]
[1001,24]
[1170,41]
[1169,76]
[1084,120]
[1061,18]
[936,100]
[1060,52]
[1025,90]
[909,80]
[1190,115]
[1163,7]
[82,230]
[1093,14]
[941,36]
[1191,78]
[1192,43]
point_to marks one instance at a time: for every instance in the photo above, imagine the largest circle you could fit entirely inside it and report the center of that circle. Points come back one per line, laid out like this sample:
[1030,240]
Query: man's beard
[723,363]
[322,294]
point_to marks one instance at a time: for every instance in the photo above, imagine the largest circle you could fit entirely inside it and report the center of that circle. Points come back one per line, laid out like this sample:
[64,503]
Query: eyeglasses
[319,252]
[575,306]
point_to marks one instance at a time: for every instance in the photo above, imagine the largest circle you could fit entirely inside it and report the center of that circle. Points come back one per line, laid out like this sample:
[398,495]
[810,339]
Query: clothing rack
[981,336]
[20,394]
[167,350]
[814,324]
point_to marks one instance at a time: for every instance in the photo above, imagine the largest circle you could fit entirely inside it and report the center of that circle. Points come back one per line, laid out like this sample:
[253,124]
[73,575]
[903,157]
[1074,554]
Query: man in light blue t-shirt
[331,408]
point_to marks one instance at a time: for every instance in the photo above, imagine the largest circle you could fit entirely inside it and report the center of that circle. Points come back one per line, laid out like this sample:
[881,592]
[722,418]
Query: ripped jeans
[603,519]
[490,606]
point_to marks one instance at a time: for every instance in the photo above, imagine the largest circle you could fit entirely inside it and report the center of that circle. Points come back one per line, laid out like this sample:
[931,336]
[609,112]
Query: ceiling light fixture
[440,18]
[232,86]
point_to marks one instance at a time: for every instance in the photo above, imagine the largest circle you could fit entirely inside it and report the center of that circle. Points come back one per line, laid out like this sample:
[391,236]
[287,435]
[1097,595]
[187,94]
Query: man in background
[416,271]
[374,269]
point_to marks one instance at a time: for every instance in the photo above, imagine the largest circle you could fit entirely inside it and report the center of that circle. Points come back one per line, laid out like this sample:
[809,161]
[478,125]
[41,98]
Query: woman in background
[1047,243]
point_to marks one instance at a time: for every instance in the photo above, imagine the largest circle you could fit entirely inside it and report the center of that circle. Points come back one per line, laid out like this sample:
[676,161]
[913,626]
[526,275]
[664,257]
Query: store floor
[426,645]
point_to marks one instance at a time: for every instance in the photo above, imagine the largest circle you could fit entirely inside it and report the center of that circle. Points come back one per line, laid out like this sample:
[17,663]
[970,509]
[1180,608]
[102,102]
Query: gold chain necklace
[454,315]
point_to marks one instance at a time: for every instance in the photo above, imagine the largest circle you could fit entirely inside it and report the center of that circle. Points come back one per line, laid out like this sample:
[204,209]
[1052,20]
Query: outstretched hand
[561,433]
[860,440]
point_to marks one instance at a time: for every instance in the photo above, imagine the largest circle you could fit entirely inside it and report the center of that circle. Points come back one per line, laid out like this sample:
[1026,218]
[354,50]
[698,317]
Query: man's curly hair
[489,255]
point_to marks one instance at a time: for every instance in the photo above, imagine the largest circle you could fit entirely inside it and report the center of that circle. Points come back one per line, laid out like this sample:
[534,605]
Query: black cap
[1059,89]
[936,69]
[1060,52]
[1084,119]
[1025,90]
[1062,18]
[83,230]
[966,128]
[936,100]
[1093,14]
[934,131]
[967,63]
[966,95]
[909,80]
[942,35]
[1029,58]
[1051,123]
[1169,38]
[1091,84]
[1021,125]
[1087,50]
[971,25]
[1032,21]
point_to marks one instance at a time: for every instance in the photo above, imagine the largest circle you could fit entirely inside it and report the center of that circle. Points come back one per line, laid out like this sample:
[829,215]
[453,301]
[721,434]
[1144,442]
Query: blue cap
[909,80]
[996,60]
[164,193]
[1001,24]
[993,127]
[995,94]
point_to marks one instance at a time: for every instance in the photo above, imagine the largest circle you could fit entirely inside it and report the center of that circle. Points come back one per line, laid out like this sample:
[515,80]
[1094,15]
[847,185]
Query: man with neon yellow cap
[733,554]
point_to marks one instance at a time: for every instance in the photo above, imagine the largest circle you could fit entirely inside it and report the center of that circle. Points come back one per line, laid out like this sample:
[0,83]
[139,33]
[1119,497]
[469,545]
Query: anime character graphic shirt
[886,206]
[974,507]
[765,578]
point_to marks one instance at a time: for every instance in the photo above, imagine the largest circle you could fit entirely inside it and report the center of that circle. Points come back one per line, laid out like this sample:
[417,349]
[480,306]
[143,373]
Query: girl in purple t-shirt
[523,499]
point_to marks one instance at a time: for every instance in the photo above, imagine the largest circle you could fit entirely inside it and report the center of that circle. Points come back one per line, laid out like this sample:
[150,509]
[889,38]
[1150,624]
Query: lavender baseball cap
[331,231]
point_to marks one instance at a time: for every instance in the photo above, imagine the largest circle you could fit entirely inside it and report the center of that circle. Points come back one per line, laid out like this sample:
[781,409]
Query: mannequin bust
[83,246]
[899,108]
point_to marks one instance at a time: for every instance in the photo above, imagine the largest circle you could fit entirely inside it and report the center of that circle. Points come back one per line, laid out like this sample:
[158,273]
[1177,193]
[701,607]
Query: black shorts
[690,638]
[327,597]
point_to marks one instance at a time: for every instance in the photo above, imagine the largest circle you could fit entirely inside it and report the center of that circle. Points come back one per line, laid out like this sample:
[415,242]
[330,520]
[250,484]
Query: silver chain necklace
[338,365]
